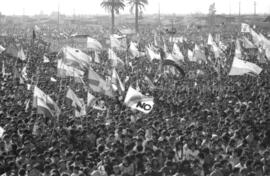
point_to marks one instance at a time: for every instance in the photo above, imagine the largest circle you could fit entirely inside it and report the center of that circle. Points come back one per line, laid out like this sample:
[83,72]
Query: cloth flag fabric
[217,51]
[134,50]
[44,103]
[27,105]
[245,28]
[116,61]
[93,44]
[199,55]
[240,67]
[77,103]
[64,70]
[177,54]
[3,68]
[152,54]
[97,84]
[210,40]
[21,55]
[135,100]
[2,131]
[52,79]
[191,56]
[116,82]
[90,99]
[265,45]
[127,31]
[238,49]
[149,82]
[75,58]
[256,38]
[97,59]
[2,49]
[24,73]
[247,43]
[118,42]
[46,59]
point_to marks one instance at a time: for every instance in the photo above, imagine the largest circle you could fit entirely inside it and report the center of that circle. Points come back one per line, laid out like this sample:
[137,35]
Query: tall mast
[159,20]
[58,18]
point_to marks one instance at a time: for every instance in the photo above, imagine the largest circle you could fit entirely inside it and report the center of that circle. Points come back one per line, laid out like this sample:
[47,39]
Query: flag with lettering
[136,100]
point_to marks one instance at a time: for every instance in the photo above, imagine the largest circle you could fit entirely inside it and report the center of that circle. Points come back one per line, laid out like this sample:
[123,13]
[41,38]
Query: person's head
[116,169]
[22,172]
[242,160]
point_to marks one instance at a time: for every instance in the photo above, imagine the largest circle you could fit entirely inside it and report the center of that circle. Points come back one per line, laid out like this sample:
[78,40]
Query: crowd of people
[198,127]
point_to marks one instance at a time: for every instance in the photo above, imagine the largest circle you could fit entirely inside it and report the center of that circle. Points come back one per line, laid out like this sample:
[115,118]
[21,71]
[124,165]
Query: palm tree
[138,5]
[113,6]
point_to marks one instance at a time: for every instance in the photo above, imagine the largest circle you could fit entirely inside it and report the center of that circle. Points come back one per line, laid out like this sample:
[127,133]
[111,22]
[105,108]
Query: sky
[92,7]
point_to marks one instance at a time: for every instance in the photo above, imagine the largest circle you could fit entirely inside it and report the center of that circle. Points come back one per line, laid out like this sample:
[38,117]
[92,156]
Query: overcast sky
[69,7]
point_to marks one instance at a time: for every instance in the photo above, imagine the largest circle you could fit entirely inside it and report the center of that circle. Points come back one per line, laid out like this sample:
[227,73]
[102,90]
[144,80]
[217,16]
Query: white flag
[97,59]
[177,54]
[245,28]
[90,99]
[240,67]
[21,55]
[134,50]
[152,54]
[115,59]
[2,49]
[2,131]
[46,59]
[93,44]
[116,82]
[135,100]
[118,42]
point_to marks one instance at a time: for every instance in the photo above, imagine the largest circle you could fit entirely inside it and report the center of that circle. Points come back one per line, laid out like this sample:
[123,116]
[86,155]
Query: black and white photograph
[134,87]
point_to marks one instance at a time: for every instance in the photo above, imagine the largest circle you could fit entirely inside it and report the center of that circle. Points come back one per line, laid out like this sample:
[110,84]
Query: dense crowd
[199,126]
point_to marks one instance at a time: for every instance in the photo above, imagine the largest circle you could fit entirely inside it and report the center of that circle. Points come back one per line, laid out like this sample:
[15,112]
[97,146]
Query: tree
[138,5]
[113,6]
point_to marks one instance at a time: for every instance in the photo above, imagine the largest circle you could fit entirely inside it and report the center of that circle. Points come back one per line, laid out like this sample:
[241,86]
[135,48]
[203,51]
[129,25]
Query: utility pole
[159,20]
[230,9]
[58,18]
[255,8]
[239,8]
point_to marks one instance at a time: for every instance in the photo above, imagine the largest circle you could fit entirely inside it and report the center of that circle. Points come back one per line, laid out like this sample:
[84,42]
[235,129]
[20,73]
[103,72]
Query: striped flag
[75,58]
[97,84]
[44,103]
[77,103]
[64,71]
